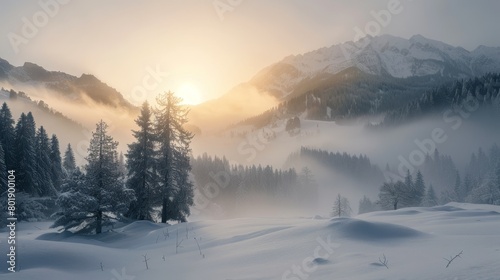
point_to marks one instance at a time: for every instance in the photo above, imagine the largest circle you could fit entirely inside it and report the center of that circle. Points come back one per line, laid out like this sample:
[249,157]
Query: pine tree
[7,135]
[458,189]
[366,205]
[43,180]
[341,207]
[430,198]
[467,185]
[391,195]
[25,164]
[309,189]
[141,163]
[55,159]
[418,189]
[183,198]
[407,192]
[3,172]
[122,168]
[98,198]
[172,138]
[69,160]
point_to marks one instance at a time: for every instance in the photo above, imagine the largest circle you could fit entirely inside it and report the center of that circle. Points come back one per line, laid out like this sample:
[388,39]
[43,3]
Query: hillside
[70,131]
[71,88]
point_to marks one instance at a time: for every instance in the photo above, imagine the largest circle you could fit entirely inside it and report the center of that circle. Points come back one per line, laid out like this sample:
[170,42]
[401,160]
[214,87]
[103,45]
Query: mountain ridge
[381,55]
[67,86]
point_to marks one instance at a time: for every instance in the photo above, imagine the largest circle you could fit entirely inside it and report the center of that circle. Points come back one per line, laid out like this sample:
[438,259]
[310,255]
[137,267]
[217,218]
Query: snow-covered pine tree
[341,207]
[430,198]
[413,191]
[43,182]
[308,193]
[172,137]
[487,192]
[122,168]
[24,148]
[458,189]
[366,205]
[142,177]
[56,165]
[7,135]
[3,172]
[69,160]
[184,194]
[418,189]
[92,203]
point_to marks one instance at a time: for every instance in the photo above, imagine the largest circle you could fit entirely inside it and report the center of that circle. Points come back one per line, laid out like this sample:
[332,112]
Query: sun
[189,93]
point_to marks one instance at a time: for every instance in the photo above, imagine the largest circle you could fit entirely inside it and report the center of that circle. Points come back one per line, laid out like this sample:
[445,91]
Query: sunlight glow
[190,93]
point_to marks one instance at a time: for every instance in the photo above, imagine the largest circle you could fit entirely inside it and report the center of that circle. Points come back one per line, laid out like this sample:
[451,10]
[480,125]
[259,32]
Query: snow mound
[399,212]
[318,217]
[371,231]
[139,226]
[445,208]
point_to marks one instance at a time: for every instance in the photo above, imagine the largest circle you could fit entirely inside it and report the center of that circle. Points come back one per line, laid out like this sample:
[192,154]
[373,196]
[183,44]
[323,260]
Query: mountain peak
[383,55]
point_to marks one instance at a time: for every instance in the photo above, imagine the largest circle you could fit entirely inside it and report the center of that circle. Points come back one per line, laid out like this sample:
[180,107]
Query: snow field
[415,242]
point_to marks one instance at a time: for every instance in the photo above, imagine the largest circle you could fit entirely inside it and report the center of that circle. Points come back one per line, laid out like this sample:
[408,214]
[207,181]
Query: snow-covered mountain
[411,66]
[384,55]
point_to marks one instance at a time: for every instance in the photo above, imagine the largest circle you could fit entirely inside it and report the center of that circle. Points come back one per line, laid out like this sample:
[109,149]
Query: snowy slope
[381,55]
[414,241]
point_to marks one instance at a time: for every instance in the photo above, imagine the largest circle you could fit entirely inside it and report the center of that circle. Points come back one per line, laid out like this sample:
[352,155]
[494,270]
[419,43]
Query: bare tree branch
[146,260]
[384,261]
[451,259]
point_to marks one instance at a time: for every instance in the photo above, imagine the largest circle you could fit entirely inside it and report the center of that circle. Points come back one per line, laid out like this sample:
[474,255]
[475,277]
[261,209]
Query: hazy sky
[207,51]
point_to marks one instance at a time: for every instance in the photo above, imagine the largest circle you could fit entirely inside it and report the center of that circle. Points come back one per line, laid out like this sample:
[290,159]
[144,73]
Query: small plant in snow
[451,259]
[146,260]
[201,254]
[177,242]
[383,261]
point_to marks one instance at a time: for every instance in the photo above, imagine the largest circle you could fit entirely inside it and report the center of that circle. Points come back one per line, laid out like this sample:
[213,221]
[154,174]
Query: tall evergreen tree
[183,197]
[43,180]
[458,189]
[172,138]
[142,176]
[341,207]
[101,196]
[7,135]
[24,148]
[122,168]
[3,172]
[56,165]
[366,205]
[430,198]
[418,189]
[69,160]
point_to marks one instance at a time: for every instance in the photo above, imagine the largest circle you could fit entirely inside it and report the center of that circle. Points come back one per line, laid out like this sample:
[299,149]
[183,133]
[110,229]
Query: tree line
[153,185]
[479,183]
[233,189]
[482,92]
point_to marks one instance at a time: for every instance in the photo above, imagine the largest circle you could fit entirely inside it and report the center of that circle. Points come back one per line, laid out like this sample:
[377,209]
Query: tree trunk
[164,210]
[98,227]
